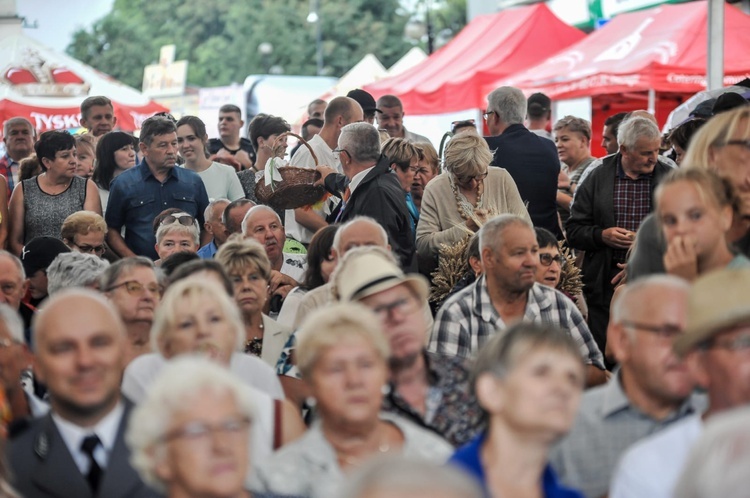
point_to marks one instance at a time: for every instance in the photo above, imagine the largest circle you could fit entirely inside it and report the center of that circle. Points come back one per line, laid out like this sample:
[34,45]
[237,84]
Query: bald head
[643,114]
[342,111]
[359,232]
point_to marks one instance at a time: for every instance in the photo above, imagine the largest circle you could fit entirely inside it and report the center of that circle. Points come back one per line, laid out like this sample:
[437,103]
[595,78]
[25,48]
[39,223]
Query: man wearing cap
[715,345]
[391,119]
[652,389]
[302,223]
[429,389]
[539,114]
[532,161]
[506,293]
[36,256]
[369,107]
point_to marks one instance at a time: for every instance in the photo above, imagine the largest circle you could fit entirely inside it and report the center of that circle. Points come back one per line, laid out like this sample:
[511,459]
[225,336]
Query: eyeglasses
[487,114]
[741,143]
[200,431]
[464,180]
[135,288]
[342,150]
[668,332]
[402,307]
[98,250]
[741,343]
[181,218]
[9,288]
[547,259]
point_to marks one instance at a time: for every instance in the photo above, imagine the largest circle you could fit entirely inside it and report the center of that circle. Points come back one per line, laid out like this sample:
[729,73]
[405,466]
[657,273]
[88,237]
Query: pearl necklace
[465,209]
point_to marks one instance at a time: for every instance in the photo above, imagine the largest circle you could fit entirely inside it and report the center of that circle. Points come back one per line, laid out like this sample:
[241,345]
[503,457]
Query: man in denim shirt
[139,194]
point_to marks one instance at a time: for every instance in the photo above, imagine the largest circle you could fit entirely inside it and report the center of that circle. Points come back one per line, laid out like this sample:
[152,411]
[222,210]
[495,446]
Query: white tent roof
[408,61]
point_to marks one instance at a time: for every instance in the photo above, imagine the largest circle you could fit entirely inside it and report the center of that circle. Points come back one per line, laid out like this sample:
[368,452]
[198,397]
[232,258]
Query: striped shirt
[468,319]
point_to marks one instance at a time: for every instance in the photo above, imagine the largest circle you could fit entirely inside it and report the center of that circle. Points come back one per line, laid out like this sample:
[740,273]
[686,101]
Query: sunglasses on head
[181,218]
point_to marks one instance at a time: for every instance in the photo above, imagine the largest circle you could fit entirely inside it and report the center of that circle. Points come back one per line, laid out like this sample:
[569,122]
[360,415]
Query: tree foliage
[220,38]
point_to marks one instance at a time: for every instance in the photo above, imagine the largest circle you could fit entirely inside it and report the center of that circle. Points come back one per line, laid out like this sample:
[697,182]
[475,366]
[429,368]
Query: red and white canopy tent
[47,88]
[653,59]
[450,83]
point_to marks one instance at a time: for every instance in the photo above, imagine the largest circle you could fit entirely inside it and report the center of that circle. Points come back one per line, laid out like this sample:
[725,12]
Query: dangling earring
[310,401]
[386,389]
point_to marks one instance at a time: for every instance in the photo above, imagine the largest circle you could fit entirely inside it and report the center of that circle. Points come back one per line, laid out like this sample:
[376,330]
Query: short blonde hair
[82,223]
[334,324]
[400,152]
[238,253]
[467,154]
[574,124]
[430,155]
[193,290]
[715,133]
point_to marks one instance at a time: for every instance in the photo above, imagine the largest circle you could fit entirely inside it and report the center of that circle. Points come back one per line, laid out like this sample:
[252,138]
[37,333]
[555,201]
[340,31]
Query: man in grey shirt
[652,389]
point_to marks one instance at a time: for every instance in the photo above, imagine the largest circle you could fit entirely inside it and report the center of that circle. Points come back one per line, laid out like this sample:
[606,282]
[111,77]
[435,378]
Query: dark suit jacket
[380,196]
[533,163]
[44,468]
[593,212]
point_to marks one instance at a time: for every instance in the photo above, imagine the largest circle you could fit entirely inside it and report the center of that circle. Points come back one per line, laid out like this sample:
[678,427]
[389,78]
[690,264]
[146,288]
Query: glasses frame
[559,258]
[170,219]
[135,291]
[669,332]
[97,250]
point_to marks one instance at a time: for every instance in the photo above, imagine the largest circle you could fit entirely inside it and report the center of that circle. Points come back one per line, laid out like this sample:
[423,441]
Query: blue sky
[58,20]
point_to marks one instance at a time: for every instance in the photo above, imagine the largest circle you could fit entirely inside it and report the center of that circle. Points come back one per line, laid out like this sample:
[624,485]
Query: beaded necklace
[465,208]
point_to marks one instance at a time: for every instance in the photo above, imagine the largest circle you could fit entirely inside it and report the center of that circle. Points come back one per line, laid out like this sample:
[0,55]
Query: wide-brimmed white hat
[368,270]
[717,301]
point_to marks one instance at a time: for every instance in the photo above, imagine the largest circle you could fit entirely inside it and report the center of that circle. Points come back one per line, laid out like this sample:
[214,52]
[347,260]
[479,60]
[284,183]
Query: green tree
[220,39]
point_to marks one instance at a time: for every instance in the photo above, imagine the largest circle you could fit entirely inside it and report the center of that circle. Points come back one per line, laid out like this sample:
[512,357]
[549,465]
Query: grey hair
[361,141]
[74,269]
[13,323]
[508,103]
[635,128]
[718,461]
[192,230]
[113,272]
[490,235]
[336,246]
[180,383]
[208,213]
[15,121]
[255,209]
[14,259]
[404,476]
[625,305]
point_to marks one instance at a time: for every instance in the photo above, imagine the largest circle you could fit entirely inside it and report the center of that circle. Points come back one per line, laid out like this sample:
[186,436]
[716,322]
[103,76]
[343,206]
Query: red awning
[490,47]
[663,49]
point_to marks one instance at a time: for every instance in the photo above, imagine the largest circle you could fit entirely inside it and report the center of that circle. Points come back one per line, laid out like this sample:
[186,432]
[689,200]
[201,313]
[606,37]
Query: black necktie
[95,472]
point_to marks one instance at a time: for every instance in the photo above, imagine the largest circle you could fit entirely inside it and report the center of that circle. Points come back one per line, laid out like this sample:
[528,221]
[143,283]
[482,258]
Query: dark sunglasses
[181,218]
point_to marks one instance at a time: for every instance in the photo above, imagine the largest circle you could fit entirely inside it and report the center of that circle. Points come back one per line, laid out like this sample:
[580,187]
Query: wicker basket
[296,187]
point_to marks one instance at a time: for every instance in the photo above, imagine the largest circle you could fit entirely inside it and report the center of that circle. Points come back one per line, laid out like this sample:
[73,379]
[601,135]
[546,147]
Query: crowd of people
[508,317]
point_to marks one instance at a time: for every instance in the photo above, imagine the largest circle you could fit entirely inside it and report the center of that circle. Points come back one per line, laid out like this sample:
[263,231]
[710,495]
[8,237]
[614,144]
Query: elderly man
[13,286]
[133,287]
[430,389]
[530,159]
[229,143]
[508,292]
[98,115]
[651,390]
[316,108]
[139,194]
[372,190]
[79,448]
[214,227]
[75,269]
[715,345]
[391,119]
[19,137]
[302,223]
[608,209]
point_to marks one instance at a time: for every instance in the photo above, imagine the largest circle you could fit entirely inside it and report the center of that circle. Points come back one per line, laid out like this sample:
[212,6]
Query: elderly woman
[84,231]
[190,436]
[178,232]
[457,203]
[39,206]
[573,140]
[74,269]
[529,382]
[343,356]
[197,317]
[429,168]
[249,269]
[404,157]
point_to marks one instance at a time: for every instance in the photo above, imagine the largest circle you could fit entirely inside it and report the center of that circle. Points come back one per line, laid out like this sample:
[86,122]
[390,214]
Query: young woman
[220,180]
[115,153]
[85,152]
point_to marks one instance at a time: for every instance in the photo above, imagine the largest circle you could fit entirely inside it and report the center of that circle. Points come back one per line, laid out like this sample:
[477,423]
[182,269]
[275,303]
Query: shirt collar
[538,300]
[106,429]
[615,400]
[146,172]
[357,179]
[621,172]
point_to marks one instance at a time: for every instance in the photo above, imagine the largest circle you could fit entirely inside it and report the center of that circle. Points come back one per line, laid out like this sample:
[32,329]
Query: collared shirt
[607,424]
[468,459]
[136,197]
[208,251]
[357,179]
[9,169]
[74,435]
[468,319]
[652,467]
[294,266]
[632,203]
[415,137]
[456,415]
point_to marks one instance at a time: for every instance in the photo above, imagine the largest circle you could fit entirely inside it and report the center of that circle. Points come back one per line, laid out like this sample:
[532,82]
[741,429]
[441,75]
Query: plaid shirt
[468,319]
[9,169]
[632,203]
